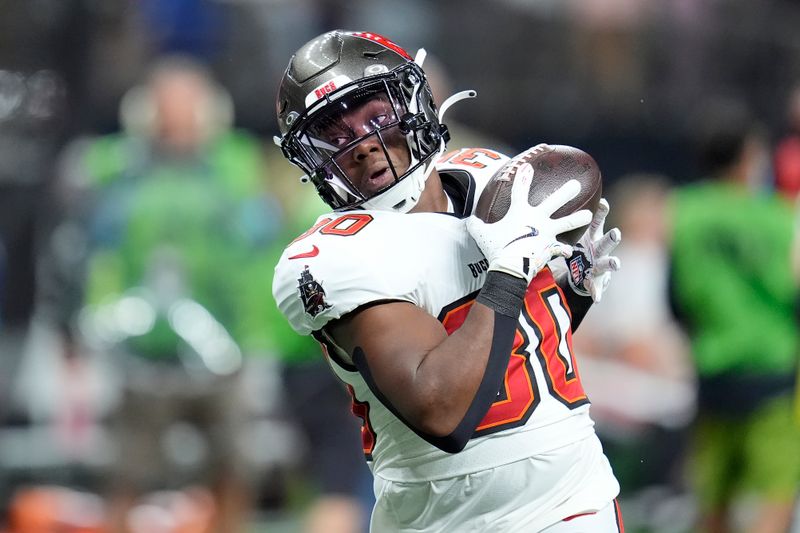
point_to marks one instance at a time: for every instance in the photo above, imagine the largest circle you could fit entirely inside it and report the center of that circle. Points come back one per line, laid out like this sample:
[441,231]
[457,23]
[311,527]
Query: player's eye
[336,137]
[378,120]
[340,140]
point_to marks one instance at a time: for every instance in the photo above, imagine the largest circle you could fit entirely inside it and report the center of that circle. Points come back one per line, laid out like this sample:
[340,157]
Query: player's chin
[373,190]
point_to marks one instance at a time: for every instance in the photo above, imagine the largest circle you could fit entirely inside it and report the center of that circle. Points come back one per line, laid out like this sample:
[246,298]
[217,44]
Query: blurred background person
[734,290]
[635,362]
[172,213]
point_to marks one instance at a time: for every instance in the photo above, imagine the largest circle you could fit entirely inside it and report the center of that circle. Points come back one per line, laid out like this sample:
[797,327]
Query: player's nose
[367,146]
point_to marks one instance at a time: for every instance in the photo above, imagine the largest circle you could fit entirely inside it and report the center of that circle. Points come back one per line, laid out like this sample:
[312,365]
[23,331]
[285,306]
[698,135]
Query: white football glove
[591,265]
[524,240]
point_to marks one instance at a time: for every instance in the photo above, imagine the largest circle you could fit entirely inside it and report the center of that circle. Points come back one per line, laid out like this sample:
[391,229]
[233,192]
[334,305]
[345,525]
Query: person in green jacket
[165,231]
[733,288]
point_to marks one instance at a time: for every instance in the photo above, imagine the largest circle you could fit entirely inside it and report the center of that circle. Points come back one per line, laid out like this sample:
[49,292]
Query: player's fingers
[572,221]
[603,207]
[599,219]
[597,286]
[608,243]
[560,196]
[609,263]
[521,186]
[560,249]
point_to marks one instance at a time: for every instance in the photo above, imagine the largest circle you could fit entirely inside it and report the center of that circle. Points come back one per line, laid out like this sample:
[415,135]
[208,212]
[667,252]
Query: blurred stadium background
[625,80]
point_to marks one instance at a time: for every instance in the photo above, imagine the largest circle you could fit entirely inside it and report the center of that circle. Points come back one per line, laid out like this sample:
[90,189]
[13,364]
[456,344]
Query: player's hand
[524,240]
[591,265]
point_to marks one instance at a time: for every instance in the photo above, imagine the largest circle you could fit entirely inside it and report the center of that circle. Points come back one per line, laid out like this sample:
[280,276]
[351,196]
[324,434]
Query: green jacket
[732,279]
[210,213]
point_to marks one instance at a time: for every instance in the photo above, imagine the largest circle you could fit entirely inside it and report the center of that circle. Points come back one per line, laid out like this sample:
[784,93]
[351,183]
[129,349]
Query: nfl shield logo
[577,268]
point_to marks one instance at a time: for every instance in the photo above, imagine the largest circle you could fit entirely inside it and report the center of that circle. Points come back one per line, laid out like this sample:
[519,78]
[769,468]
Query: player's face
[367,164]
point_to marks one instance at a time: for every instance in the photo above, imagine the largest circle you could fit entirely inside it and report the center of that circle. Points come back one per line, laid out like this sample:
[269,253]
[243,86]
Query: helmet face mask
[334,119]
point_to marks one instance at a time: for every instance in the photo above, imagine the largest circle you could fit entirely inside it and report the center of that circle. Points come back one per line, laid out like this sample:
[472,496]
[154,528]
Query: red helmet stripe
[380,39]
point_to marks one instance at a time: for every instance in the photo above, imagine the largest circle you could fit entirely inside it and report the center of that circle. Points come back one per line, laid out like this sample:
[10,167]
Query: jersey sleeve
[325,275]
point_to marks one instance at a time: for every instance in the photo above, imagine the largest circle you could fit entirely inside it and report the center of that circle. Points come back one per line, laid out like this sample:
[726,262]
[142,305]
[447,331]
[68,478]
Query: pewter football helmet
[340,71]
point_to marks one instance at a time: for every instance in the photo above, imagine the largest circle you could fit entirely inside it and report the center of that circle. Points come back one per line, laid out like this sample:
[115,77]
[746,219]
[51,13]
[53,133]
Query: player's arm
[442,385]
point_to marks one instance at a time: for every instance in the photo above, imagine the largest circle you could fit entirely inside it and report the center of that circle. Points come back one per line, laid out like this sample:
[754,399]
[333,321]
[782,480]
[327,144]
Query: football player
[452,336]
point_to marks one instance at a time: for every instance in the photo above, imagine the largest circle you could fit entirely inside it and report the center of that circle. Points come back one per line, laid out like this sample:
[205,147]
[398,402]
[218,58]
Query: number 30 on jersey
[543,334]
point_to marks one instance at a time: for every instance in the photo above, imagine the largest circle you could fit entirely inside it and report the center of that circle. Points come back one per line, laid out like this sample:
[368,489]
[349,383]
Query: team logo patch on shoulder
[311,293]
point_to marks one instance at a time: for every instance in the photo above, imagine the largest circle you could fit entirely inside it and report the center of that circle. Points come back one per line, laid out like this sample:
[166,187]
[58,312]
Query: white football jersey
[347,260]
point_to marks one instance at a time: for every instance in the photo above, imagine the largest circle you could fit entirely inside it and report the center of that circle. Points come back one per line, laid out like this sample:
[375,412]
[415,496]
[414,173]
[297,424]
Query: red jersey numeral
[551,321]
[470,157]
[345,226]
[546,316]
[517,398]
[311,230]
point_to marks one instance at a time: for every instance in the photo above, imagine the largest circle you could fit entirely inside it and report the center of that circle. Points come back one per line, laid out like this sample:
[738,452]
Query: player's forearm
[470,364]
[448,376]
[439,385]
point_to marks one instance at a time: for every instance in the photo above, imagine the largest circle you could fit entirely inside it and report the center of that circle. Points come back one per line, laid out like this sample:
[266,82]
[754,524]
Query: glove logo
[577,268]
[311,293]
[533,233]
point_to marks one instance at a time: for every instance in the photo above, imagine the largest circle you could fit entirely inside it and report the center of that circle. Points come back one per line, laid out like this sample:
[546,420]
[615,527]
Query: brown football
[553,165]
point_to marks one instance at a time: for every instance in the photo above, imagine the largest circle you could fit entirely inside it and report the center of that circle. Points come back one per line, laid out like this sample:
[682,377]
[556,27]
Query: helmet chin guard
[403,195]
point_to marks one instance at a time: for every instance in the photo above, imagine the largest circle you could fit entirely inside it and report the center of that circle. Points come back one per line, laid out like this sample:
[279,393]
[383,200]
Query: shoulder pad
[346,260]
